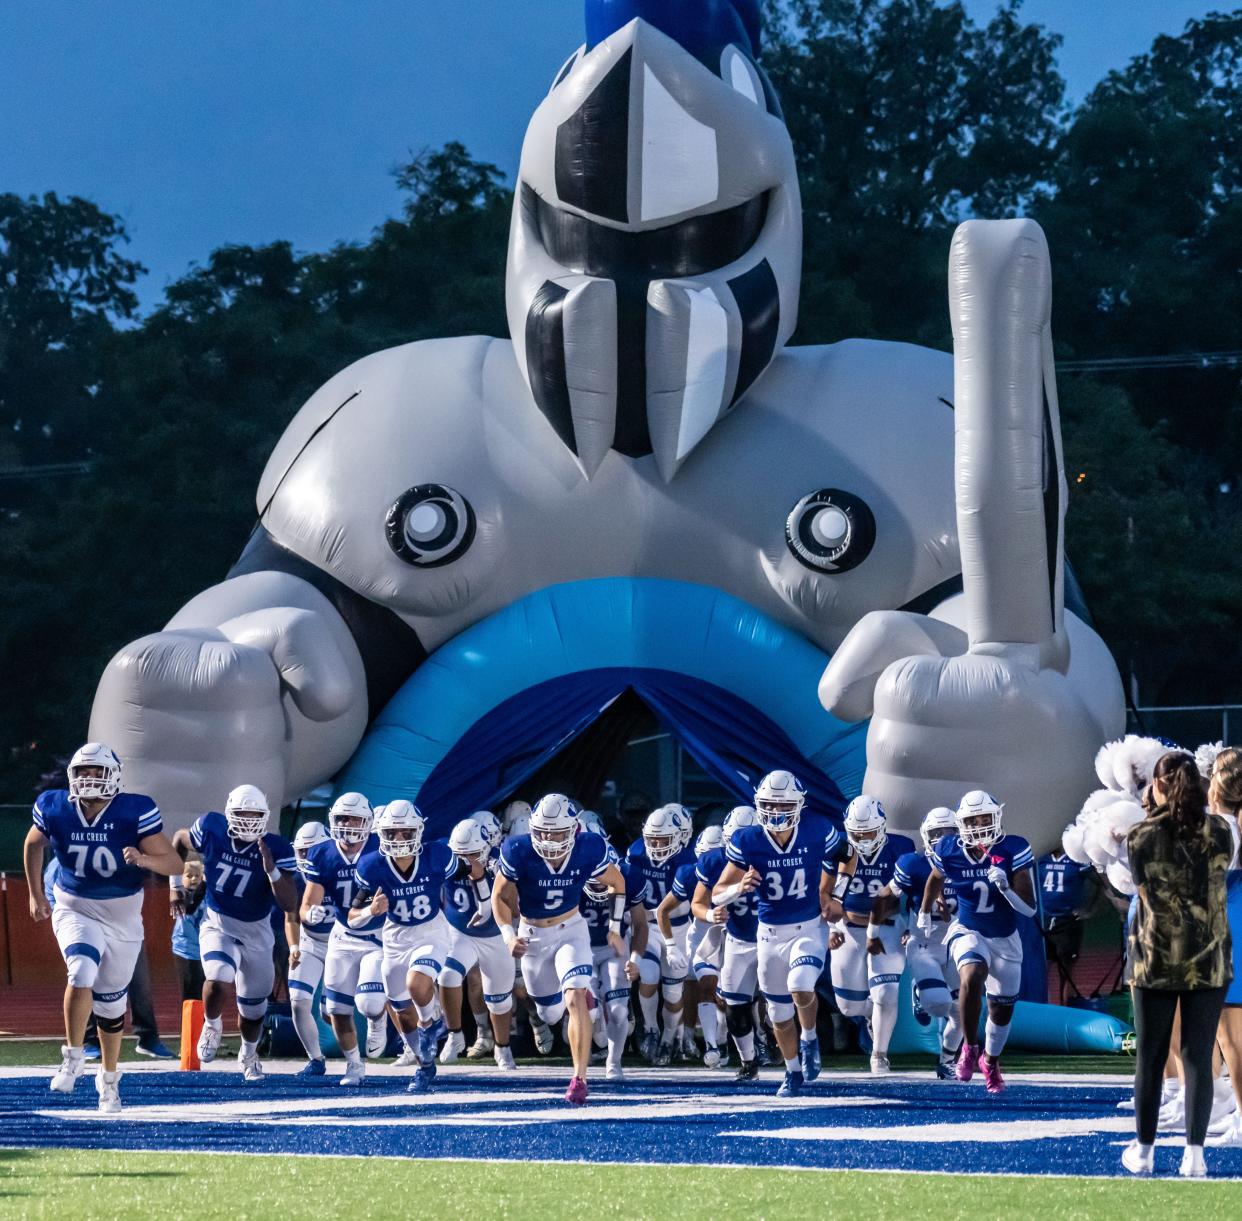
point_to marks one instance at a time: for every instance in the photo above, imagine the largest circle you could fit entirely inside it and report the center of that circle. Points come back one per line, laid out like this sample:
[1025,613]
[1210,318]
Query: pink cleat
[992,1076]
[968,1061]
[576,1095]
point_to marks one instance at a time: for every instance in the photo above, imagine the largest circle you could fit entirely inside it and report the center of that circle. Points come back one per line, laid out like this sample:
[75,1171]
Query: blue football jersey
[324,927]
[910,879]
[420,896]
[460,904]
[872,877]
[598,913]
[544,892]
[1061,885]
[789,890]
[980,906]
[90,855]
[334,871]
[237,884]
[659,878]
[743,920]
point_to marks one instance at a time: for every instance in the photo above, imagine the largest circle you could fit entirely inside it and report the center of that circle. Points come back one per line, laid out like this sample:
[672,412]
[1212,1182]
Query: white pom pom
[1134,762]
[1104,763]
[1072,842]
[1120,817]
[1119,875]
[1096,802]
[1099,845]
[1205,758]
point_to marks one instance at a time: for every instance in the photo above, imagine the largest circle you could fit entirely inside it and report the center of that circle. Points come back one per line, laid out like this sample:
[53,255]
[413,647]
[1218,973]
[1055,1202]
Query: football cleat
[992,1076]
[663,1055]
[427,1047]
[208,1044]
[424,1081]
[482,1046]
[791,1087]
[355,1072]
[711,1056]
[614,1072]
[504,1059]
[72,1066]
[252,1068]
[545,1040]
[576,1094]
[407,1058]
[90,1052]
[598,1055]
[968,1061]
[809,1057]
[377,1036]
[920,1014]
[749,1071]
[763,1049]
[313,1068]
[156,1050]
[946,1070]
[648,1045]
[454,1045]
[879,1065]
[108,1091]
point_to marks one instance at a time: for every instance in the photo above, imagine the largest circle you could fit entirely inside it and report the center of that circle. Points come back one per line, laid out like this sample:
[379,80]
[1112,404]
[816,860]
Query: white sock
[672,1023]
[353,1056]
[883,1022]
[952,1037]
[481,1021]
[793,1066]
[249,1049]
[307,1030]
[809,1036]
[709,1020]
[426,1013]
[216,1023]
[650,1006]
[618,1027]
[745,1045]
[994,1038]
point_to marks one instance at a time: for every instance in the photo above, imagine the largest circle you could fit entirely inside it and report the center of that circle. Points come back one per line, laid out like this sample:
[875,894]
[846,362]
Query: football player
[656,856]
[308,944]
[403,882]
[794,865]
[474,940]
[739,920]
[615,973]
[353,962]
[246,867]
[102,840]
[867,955]
[542,875]
[931,967]
[990,873]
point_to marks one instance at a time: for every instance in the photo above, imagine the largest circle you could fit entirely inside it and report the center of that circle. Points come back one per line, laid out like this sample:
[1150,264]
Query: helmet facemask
[400,841]
[247,825]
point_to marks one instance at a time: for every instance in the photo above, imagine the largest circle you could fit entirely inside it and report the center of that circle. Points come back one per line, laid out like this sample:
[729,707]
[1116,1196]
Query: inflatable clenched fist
[979,696]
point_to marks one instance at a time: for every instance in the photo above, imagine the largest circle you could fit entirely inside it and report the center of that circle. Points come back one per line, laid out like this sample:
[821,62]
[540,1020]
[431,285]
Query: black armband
[362,899]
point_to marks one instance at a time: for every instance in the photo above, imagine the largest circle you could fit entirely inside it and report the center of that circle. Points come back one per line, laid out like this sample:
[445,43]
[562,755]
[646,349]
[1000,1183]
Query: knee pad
[739,1020]
[500,1003]
[82,970]
[370,1000]
[301,1000]
[551,1014]
[781,1011]
[219,968]
[673,993]
[649,969]
[252,1008]
[110,1006]
[804,973]
[884,993]
[852,1007]
[338,1005]
[110,1025]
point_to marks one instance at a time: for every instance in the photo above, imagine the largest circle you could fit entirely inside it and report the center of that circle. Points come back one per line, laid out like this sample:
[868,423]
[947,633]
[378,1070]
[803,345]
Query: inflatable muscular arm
[984,694]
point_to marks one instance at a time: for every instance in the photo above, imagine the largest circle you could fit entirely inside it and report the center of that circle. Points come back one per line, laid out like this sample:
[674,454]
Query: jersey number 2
[983,903]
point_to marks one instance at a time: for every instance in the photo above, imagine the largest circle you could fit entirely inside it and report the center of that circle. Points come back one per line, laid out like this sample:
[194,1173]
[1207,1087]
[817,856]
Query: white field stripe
[1002,1133]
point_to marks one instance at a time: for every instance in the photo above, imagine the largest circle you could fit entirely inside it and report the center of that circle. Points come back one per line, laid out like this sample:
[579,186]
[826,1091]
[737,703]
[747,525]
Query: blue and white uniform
[416,934]
[986,928]
[313,949]
[1233,901]
[859,979]
[931,967]
[1061,884]
[97,897]
[739,951]
[659,879]
[354,959]
[480,945]
[702,943]
[236,938]
[558,955]
[792,936]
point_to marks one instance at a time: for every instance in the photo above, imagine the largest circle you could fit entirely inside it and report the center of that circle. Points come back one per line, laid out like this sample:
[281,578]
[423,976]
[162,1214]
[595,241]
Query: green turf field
[86,1185]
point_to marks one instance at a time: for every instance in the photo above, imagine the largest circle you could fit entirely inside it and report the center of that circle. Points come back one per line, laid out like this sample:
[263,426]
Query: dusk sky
[207,123]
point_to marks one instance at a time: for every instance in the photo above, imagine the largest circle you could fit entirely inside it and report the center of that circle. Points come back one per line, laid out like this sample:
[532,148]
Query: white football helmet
[553,827]
[978,819]
[400,828]
[588,820]
[595,890]
[515,812]
[662,834]
[866,825]
[779,800]
[709,838]
[684,819]
[309,834]
[350,819]
[935,826]
[247,814]
[467,840]
[104,780]
[739,817]
[490,826]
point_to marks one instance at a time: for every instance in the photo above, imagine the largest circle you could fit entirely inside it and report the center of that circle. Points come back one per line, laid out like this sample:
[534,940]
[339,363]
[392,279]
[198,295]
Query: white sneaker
[1138,1159]
[377,1036]
[1231,1134]
[355,1072]
[544,1038]
[209,1043]
[484,1045]
[108,1091]
[879,1065]
[72,1066]
[454,1045]
[711,1057]
[252,1068]
[614,1072]
[504,1059]
[1172,1116]
[407,1059]
[1193,1166]
[1223,1106]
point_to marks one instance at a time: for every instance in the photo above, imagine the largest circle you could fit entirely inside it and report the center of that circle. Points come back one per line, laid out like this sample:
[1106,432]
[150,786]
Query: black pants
[190,972]
[1064,940]
[141,1006]
[1153,1024]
